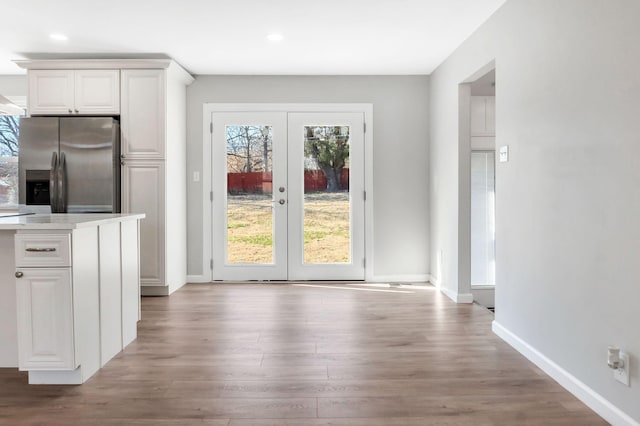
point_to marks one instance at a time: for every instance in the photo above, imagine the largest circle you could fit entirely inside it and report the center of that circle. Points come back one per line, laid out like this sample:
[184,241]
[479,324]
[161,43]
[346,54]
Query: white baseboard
[198,279]
[591,398]
[433,280]
[457,297]
[420,278]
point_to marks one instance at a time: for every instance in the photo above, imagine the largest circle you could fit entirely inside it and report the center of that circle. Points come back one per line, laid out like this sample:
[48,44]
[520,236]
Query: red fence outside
[259,182]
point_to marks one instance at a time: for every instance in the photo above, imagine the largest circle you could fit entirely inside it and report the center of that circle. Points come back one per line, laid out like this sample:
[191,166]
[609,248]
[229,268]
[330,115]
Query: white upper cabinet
[51,91]
[97,92]
[483,116]
[143,114]
[70,92]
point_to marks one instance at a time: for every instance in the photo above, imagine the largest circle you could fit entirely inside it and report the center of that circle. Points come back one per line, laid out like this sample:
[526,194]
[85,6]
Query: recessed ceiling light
[275,37]
[58,37]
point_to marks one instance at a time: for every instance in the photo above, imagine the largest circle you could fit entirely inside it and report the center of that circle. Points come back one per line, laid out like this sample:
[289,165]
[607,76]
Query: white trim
[457,297]
[365,108]
[84,64]
[584,393]
[198,279]
[483,287]
[207,204]
[415,278]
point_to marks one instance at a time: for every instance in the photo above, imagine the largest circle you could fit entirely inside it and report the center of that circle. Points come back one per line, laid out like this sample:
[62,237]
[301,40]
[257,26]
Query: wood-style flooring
[304,354]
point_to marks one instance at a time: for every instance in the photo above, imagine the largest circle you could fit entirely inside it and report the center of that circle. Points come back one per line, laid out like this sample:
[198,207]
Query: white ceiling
[229,36]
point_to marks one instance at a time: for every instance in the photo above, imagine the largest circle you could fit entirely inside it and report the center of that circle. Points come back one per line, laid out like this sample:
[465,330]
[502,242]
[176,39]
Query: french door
[288,196]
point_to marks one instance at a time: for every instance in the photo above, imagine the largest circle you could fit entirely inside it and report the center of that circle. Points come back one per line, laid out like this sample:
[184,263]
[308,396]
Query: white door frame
[210,108]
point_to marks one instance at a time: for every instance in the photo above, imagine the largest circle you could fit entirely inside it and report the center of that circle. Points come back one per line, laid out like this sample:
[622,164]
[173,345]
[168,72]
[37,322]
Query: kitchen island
[69,293]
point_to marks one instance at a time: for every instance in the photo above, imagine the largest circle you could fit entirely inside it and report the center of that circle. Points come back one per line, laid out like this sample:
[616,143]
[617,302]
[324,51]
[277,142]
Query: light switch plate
[622,374]
[504,154]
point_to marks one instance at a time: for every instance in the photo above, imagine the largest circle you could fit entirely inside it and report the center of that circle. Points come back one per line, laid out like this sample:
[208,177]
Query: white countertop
[63,221]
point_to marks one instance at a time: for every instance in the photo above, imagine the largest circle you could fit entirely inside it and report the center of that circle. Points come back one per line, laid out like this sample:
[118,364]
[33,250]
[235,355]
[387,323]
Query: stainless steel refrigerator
[71,164]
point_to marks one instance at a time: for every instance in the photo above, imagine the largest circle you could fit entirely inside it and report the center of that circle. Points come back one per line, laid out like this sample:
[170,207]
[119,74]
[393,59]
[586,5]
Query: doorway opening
[288,195]
[483,159]
[477,256]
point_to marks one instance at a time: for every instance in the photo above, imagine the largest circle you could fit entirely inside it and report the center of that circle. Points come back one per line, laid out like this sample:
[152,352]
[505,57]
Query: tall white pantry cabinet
[152,109]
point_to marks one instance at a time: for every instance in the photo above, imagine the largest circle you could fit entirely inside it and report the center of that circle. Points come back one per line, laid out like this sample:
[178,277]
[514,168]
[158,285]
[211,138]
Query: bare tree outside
[9,130]
[248,149]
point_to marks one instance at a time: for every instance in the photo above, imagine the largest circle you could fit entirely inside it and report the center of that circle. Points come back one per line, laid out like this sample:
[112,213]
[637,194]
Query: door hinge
[211,264]
[211,196]
[364,127]
[364,262]
[364,195]
[211,127]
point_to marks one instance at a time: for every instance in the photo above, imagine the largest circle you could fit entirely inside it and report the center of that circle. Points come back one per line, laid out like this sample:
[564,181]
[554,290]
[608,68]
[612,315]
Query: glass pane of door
[249,194]
[326,216]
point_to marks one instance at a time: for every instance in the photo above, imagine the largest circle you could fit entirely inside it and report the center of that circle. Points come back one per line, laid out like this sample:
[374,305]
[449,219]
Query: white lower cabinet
[73,318]
[45,319]
[143,191]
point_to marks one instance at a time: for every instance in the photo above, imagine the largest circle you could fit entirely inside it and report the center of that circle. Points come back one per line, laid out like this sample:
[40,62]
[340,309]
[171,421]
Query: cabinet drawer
[43,250]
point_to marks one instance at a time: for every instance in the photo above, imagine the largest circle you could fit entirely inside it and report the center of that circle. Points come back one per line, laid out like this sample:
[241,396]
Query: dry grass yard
[326,228]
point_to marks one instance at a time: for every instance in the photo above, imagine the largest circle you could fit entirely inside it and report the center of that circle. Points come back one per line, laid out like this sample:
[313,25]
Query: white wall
[401,134]
[13,85]
[568,201]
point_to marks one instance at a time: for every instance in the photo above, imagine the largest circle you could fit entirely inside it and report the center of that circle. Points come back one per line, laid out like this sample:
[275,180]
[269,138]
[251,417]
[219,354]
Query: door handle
[19,274]
[281,201]
[53,183]
[62,183]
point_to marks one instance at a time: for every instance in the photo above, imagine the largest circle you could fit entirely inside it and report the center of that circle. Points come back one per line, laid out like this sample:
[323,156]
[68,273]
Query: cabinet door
[142,117]
[51,92]
[143,184]
[45,319]
[97,92]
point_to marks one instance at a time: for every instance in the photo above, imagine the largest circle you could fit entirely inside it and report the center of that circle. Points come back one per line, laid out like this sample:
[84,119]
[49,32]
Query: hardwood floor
[304,354]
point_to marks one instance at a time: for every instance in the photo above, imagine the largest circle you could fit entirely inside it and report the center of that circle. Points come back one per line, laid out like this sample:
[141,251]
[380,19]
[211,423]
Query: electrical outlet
[622,374]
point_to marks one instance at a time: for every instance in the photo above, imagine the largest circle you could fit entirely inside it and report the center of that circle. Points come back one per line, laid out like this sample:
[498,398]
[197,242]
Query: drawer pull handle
[19,274]
[41,249]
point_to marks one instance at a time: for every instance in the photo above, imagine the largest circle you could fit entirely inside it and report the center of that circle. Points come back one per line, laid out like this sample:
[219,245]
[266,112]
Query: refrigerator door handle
[53,183]
[62,184]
